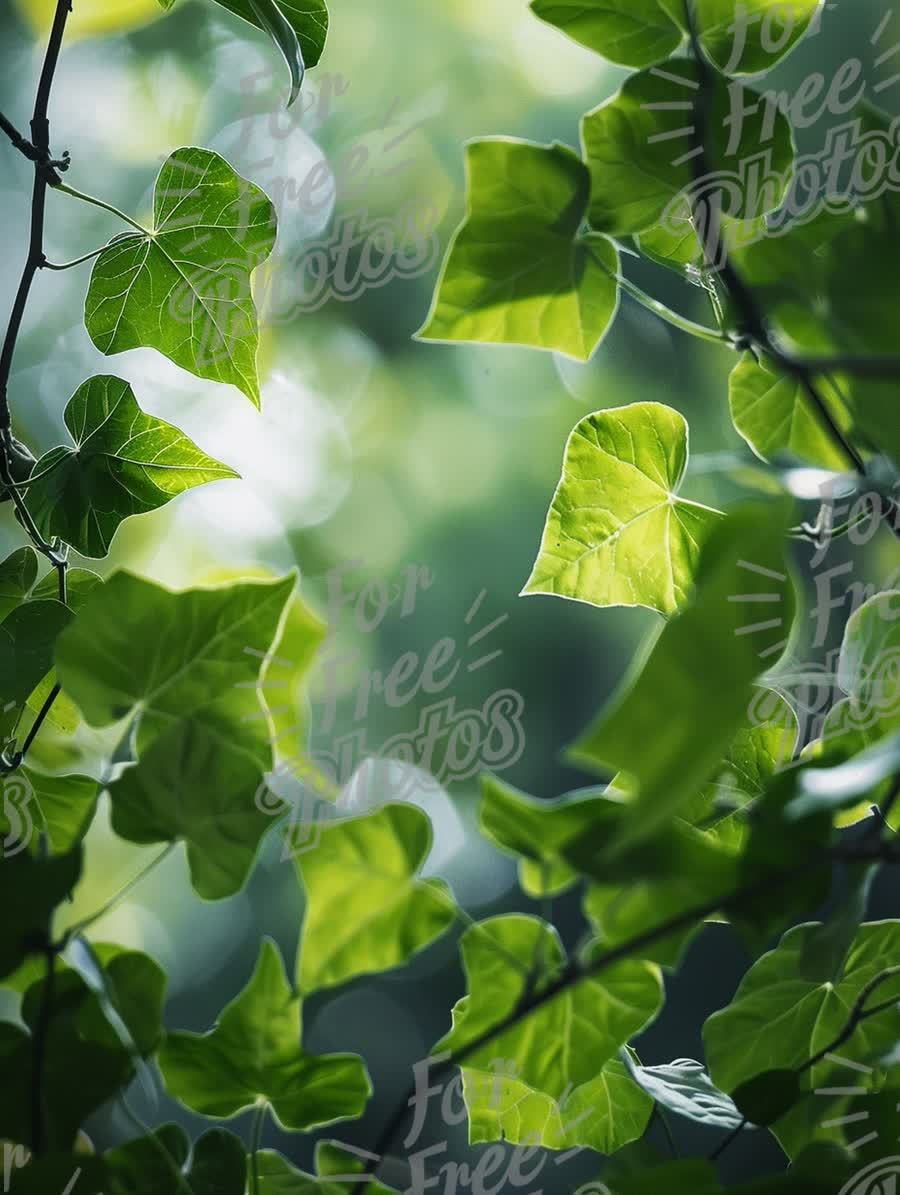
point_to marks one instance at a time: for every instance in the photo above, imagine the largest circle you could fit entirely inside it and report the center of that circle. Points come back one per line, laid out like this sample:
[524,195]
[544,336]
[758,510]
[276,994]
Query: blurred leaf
[27,639]
[30,889]
[752,37]
[774,414]
[367,909]
[17,575]
[689,1177]
[534,830]
[53,1175]
[767,1097]
[63,808]
[638,147]
[517,271]
[308,19]
[254,1054]
[124,463]
[184,287]
[555,1077]
[616,532]
[91,18]
[151,1165]
[675,719]
[629,32]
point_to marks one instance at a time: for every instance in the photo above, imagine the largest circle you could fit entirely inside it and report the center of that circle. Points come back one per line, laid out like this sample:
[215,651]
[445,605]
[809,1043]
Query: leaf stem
[22,144]
[667,314]
[67,265]
[259,1120]
[80,926]
[101,203]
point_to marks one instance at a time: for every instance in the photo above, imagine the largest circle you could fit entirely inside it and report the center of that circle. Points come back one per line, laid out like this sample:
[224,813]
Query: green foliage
[617,534]
[252,1056]
[124,463]
[717,803]
[183,287]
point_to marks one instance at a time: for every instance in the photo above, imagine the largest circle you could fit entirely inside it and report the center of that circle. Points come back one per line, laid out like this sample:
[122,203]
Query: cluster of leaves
[700,821]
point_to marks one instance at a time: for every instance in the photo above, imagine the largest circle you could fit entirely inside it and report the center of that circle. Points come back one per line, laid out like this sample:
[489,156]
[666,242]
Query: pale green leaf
[17,575]
[629,32]
[753,36]
[617,533]
[517,271]
[773,412]
[124,463]
[367,908]
[184,287]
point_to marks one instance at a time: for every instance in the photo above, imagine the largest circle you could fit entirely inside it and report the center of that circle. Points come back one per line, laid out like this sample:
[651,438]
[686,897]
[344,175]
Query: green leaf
[517,271]
[308,19]
[688,1177]
[183,288]
[534,830]
[52,1174]
[629,32]
[782,1015]
[62,807]
[773,412]
[254,1054]
[752,37]
[367,908]
[124,463]
[638,147]
[673,722]
[188,664]
[27,639]
[30,889]
[278,1177]
[617,534]
[271,18]
[151,1165]
[684,1087]
[17,575]
[765,1098]
[559,1081]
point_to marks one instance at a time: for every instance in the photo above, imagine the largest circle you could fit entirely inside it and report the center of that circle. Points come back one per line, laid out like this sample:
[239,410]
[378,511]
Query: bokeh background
[373,453]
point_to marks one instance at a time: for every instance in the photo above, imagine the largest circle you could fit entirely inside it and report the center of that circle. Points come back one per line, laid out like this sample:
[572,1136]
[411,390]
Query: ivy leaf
[27,639]
[559,1078]
[17,575]
[639,147]
[671,724]
[535,831]
[367,909]
[30,889]
[62,807]
[254,1054]
[183,287]
[751,38]
[308,19]
[517,271]
[141,1167]
[629,32]
[772,411]
[783,1015]
[684,1087]
[617,534]
[187,663]
[124,463]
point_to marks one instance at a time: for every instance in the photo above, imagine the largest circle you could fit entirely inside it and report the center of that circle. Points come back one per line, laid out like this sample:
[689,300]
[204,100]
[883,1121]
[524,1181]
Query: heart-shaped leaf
[124,463]
[183,287]
[617,534]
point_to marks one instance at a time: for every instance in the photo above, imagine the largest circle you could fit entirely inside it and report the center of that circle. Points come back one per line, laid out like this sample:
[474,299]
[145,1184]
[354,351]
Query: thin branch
[22,144]
[666,313]
[858,1014]
[259,1121]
